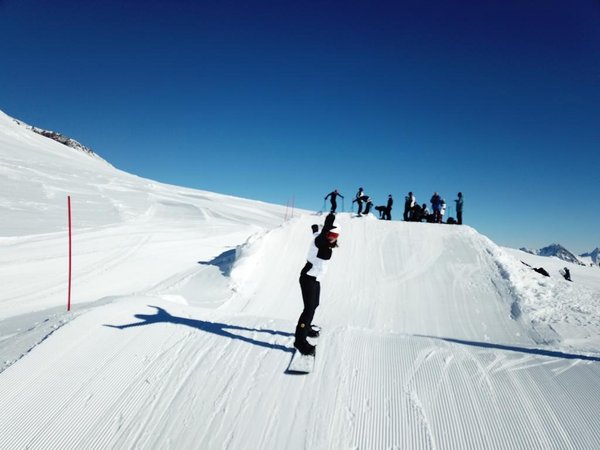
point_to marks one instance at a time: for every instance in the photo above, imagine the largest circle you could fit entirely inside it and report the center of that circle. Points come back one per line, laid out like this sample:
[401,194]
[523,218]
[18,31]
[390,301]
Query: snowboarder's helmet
[333,233]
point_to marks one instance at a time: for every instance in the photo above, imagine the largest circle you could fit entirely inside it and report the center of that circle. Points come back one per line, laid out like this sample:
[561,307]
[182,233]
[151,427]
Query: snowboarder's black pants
[459,217]
[333,206]
[311,291]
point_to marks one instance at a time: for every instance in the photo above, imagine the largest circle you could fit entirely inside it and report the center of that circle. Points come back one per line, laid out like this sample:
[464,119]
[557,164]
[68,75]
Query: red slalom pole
[70,255]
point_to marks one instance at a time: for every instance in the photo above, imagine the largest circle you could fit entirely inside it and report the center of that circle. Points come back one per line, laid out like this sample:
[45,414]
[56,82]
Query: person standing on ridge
[409,202]
[312,273]
[436,206]
[459,208]
[333,196]
[442,210]
[359,199]
[387,215]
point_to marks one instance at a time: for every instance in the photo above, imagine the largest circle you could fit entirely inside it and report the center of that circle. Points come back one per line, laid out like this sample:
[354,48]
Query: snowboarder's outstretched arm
[328,225]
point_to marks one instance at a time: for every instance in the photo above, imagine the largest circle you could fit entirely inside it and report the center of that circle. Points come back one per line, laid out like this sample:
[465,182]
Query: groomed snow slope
[184,304]
[422,348]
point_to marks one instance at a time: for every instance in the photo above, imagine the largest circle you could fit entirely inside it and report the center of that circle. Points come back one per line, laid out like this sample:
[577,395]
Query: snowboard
[301,364]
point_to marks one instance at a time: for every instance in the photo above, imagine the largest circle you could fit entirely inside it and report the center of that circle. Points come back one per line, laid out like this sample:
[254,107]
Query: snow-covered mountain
[184,308]
[58,137]
[556,250]
[593,256]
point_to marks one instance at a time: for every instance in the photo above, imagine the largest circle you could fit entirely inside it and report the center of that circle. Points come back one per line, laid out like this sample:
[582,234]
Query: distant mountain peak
[557,251]
[58,137]
[594,255]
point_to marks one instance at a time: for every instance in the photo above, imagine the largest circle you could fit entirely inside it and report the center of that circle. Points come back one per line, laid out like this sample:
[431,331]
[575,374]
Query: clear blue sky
[274,100]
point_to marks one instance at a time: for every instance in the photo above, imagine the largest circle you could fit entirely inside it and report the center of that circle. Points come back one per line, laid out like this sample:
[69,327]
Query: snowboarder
[319,254]
[459,208]
[359,198]
[333,196]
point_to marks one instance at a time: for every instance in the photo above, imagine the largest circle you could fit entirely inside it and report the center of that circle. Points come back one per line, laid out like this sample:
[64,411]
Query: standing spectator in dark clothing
[387,214]
[409,202]
[369,204]
[333,196]
[459,208]
[436,205]
[318,256]
[359,198]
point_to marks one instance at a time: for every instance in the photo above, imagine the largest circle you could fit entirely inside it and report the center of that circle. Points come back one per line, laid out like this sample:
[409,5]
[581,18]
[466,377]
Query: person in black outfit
[387,215]
[459,208]
[313,271]
[369,205]
[359,198]
[409,202]
[333,196]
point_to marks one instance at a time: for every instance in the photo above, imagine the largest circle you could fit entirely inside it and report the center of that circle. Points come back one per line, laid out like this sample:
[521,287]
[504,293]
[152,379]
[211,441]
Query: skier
[319,254]
[333,196]
[359,197]
[387,215]
[459,208]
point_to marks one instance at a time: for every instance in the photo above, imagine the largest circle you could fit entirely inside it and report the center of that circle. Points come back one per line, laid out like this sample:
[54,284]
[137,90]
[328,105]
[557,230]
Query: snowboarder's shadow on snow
[220,329]
[531,351]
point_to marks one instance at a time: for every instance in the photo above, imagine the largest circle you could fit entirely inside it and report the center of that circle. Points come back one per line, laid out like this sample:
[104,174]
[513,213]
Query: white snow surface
[185,302]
